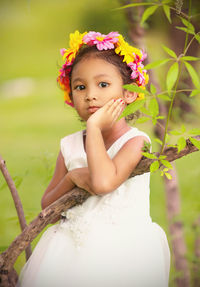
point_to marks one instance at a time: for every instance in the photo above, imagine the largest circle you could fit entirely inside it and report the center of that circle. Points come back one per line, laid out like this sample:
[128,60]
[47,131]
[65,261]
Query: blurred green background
[33,117]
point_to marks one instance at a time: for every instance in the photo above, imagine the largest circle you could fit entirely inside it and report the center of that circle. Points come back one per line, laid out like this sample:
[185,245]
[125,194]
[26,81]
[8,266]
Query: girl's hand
[107,115]
[81,178]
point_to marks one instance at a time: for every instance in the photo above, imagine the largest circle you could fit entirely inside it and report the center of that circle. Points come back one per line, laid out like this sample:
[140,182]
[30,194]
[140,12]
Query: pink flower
[141,78]
[62,51]
[102,42]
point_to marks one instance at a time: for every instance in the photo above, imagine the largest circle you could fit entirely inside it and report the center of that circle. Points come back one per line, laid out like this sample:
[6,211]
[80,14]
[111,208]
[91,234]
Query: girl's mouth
[93,109]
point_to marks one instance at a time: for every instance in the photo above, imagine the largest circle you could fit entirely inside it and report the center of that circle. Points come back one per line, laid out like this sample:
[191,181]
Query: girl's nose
[90,95]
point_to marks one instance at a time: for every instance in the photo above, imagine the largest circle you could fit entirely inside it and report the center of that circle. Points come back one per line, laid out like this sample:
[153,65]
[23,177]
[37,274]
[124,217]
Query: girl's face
[94,82]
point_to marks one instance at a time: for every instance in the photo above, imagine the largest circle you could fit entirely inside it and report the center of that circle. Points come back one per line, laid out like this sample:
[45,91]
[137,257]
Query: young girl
[109,240]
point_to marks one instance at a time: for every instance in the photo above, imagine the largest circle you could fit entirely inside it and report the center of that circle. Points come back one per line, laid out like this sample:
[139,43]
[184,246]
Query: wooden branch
[171,153]
[72,198]
[16,199]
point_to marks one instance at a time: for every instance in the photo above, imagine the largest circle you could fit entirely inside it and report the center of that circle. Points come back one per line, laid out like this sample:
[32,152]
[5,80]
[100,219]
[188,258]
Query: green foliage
[154,166]
[149,155]
[193,74]
[181,144]
[134,88]
[195,142]
[172,76]
[156,64]
[132,108]
[151,110]
[148,12]
[166,10]
[169,51]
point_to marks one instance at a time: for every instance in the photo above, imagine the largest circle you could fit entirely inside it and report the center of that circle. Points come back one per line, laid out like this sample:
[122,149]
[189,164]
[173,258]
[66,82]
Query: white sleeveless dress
[108,241]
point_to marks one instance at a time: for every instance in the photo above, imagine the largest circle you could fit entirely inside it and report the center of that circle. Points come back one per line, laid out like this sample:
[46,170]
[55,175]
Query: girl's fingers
[113,104]
[117,109]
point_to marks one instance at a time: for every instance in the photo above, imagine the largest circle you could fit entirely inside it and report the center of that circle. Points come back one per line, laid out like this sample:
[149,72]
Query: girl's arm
[106,173]
[59,185]
[64,181]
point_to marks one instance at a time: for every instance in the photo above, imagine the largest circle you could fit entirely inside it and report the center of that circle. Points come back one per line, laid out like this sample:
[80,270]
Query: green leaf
[168,175]
[197,37]
[149,155]
[156,64]
[153,89]
[190,58]
[185,30]
[160,117]
[187,24]
[175,133]
[171,145]
[154,107]
[181,144]
[193,75]
[162,156]
[154,121]
[134,5]
[132,108]
[166,163]
[148,12]
[194,93]
[166,9]
[142,120]
[154,166]
[195,131]
[169,51]
[135,88]
[183,129]
[172,76]
[158,141]
[164,97]
[166,1]
[195,142]
[145,111]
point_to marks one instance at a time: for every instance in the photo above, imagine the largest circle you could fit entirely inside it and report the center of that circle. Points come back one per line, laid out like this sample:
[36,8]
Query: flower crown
[132,56]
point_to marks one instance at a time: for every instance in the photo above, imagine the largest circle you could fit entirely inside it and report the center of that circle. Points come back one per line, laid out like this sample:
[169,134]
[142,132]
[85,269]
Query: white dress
[108,241]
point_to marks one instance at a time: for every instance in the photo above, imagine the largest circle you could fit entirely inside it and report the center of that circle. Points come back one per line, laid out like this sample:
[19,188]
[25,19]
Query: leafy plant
[149,107]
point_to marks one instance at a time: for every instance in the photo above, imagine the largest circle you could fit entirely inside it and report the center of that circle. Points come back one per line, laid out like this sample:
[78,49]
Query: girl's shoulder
[133,132]
[136,132]
[72,141]
[130,134]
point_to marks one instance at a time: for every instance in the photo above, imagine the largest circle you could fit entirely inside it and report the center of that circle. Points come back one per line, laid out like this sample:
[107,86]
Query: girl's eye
[103,84]
[79,87]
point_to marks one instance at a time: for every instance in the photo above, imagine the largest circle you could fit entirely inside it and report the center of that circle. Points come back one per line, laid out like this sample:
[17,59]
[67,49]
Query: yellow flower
[75,42]
[129,52]
[146,76]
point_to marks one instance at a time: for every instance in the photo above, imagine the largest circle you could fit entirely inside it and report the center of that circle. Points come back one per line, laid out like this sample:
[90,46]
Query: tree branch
[16,199]
[69,200]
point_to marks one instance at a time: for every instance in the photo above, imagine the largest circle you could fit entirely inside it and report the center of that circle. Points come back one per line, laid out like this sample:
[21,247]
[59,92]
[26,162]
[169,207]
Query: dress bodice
[130,201]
